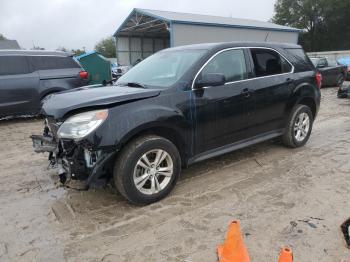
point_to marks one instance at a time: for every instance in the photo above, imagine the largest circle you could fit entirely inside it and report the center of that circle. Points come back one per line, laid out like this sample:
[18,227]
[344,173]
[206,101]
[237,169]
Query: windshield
[162,69]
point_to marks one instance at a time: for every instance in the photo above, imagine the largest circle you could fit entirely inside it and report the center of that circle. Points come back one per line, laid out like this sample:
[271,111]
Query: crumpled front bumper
[74,161]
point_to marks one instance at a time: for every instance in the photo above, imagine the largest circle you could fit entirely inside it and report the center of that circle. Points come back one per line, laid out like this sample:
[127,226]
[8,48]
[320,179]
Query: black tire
[289,137]
[126,163]
[340,80]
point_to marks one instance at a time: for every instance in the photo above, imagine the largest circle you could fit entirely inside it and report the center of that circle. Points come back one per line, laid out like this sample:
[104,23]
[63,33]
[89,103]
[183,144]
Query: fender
[301,92]
[129,120]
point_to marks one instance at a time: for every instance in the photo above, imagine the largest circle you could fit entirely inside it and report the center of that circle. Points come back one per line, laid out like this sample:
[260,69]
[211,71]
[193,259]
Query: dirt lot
[282,197]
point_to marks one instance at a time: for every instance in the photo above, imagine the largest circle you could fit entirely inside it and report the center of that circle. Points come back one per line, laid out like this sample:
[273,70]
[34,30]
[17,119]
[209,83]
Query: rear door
[57,72]
[272,83]
[18,86]
[220,111]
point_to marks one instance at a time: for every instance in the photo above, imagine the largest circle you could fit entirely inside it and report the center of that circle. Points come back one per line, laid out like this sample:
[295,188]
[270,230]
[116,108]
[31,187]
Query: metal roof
[251,44]
[34,53]
[9,44]
[207,20]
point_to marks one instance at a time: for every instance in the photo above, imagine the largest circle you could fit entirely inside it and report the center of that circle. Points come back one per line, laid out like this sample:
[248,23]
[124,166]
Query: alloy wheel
[153,171]
[301,127]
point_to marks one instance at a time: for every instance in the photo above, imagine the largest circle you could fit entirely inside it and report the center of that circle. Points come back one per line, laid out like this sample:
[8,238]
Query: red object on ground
[286,255]
[233,250]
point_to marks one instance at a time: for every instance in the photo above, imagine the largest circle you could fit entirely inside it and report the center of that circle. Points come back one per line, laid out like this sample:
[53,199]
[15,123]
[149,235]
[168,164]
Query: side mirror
[321,66]
[212,79]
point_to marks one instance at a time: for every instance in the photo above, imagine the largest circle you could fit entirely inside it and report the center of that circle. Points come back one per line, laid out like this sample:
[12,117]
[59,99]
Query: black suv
[27,77]
[180,106]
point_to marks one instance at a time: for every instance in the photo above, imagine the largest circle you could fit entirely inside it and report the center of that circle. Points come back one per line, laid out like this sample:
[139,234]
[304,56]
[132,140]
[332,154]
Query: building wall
[184,34]
[130,49]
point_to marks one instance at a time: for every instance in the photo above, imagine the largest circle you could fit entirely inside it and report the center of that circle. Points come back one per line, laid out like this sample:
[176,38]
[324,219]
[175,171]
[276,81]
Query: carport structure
[145,32]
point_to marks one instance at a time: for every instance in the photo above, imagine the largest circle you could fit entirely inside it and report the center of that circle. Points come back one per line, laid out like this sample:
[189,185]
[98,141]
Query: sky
[82,23]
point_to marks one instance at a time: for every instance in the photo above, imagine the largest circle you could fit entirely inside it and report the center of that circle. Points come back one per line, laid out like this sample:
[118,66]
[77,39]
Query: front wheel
[147,169]
[299,127]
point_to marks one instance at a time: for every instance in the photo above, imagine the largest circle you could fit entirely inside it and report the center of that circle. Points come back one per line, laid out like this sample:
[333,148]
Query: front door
[220,112]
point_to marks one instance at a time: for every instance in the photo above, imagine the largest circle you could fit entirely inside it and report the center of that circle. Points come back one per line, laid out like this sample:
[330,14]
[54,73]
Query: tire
[290,137]
[131,168]
[340,80]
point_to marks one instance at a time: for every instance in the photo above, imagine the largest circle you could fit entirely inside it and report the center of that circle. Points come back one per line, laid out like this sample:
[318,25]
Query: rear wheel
[340,80]
[299,127]
[147,169]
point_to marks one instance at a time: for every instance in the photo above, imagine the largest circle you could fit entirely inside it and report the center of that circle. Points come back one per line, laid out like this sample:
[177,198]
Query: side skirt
[234,146]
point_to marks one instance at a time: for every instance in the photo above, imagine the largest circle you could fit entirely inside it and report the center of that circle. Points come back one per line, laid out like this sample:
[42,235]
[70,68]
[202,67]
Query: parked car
[345,61]
[119,70]
[177,107]
[333,74]
[28,77]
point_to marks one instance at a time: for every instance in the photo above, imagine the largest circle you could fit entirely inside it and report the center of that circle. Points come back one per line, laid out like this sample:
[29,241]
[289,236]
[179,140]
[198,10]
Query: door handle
[246,92]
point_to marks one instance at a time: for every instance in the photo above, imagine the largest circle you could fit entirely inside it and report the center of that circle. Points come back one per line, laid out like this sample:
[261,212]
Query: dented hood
[58,105]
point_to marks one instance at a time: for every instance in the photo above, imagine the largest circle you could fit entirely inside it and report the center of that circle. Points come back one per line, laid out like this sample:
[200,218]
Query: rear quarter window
[300,60]
[13,65]
[52,62]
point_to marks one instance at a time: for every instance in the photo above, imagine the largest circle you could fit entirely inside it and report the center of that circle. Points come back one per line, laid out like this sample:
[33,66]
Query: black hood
[58,105]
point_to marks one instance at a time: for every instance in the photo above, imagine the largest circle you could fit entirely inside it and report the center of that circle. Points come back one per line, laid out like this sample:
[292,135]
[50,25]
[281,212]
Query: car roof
[212,46]
[34,53]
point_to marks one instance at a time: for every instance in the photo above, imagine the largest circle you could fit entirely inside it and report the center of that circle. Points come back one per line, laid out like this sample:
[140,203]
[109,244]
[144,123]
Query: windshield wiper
[132,84]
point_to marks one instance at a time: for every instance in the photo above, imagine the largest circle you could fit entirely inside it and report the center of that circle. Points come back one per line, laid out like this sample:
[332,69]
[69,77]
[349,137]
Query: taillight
[319,79]
[348,68]
[83,74]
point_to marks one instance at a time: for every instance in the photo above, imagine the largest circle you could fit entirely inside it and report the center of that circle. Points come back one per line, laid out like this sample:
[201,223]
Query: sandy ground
[282,197]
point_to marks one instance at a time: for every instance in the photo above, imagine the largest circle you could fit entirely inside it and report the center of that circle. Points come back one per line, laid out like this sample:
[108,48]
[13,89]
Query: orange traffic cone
[233,250]
[286,255]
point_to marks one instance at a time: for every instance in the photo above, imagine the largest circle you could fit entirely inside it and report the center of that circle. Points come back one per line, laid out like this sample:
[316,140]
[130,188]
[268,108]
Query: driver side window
[230,63]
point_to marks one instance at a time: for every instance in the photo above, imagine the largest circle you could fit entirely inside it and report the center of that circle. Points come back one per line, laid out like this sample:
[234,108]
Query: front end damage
[78,163]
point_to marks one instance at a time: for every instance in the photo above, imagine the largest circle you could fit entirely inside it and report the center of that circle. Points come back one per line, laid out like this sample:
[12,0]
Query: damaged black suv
[180,106]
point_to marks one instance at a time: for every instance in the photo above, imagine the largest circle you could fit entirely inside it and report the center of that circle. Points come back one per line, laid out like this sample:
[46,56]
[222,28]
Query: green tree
[106,47]
[78,51]
[2,37]
[324,22]
[62,48]
[37,48]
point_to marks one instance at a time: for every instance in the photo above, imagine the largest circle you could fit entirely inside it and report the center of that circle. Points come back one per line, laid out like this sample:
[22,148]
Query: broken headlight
[78,126]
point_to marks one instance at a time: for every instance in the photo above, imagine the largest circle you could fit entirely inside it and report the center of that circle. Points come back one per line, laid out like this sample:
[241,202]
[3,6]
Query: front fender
[126,121]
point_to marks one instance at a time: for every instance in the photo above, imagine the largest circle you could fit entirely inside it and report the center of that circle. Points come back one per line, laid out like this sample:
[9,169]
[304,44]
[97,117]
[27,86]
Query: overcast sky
[82,23]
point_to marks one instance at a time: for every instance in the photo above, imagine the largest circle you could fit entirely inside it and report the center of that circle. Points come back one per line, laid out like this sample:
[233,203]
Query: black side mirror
[212,79]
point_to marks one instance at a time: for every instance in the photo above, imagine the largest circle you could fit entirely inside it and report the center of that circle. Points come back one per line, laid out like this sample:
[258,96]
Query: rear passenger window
[230,63]
[299,58]
[268,62]
[286,66]
[52,62]
[13,65]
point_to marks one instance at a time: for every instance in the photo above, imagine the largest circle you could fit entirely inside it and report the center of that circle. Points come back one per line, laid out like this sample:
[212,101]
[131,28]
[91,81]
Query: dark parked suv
[27,77]
[178,107]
